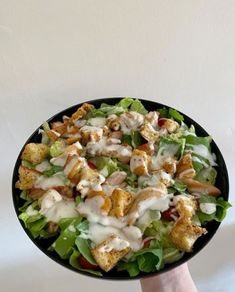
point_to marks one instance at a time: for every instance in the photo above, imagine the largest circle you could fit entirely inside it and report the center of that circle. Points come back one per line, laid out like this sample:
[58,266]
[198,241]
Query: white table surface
[54,54]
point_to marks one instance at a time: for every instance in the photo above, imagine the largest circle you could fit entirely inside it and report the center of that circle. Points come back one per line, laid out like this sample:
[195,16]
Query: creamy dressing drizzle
[115,244]
[46,183]
[54,208]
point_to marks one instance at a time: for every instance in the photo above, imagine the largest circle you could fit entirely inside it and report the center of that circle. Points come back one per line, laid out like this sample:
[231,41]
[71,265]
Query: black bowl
[222,183]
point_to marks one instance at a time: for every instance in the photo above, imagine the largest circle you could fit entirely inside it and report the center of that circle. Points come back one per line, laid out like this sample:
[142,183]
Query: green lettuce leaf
[84,248]
[131,267]
[73,260]
[149,259]
[138,107]
[56,149]
[54,169]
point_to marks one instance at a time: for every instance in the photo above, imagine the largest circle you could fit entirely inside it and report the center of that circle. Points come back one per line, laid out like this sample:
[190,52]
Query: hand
[176,280]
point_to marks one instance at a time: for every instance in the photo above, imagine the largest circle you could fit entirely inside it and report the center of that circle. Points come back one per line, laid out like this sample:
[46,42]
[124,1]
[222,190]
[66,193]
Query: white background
[54,54]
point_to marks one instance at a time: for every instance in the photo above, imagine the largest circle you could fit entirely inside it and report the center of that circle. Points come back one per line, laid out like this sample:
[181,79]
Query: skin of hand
[176,280]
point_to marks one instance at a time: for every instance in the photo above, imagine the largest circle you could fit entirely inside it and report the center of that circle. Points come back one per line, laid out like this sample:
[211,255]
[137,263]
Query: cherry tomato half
[167,215]
[85,264]
[91,165]
[161,122]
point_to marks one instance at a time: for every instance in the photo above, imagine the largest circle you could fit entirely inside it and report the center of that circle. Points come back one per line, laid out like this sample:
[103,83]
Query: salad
[119,187]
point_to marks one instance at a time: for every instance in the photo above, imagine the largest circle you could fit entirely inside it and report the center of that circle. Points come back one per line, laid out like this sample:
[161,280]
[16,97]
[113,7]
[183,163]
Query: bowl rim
[56,258]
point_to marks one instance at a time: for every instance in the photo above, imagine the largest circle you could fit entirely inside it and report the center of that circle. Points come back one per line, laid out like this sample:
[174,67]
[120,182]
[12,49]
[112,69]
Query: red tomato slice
[161,122]
[85,264]
[167,215]
[91,165]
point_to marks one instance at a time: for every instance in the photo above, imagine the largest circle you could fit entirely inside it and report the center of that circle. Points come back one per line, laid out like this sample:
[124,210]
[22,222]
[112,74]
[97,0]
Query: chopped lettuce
[84,248]
[64,244]
[179,186]
[54,169]
[131,267]
[27,164]
[105,162]
[175,115]
[172,147]
[56,149]
[221,209]
[149,259]
[148,217]
[125,102]
[35,222]
[207,175]
[73,260]
[138,107]
[171,255]
[170,113]
[134,140]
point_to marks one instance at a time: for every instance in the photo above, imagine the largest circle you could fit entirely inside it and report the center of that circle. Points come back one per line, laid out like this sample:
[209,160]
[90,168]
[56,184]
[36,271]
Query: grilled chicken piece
[185,167]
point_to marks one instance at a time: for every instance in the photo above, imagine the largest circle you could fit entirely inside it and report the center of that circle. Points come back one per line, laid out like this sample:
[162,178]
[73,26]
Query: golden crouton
[147,147]
[186,206]
[27,178]
[34,153]
[106,255]
[81,112]
[139,162]
[184,234]
[121,202]
[169,165]
[116,135]
[198,187]
[185,167]
[149,133]
[170,125]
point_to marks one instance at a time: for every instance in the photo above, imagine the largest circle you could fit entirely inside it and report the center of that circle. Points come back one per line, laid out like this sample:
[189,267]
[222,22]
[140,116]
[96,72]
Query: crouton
[139,162]
[202,188]
[186,206]
[149,133]
[121,202]
[169,165]
[108,252]
[81,112]
[34,153]
[185,167]
[27,178]
[184,234]
[170,125]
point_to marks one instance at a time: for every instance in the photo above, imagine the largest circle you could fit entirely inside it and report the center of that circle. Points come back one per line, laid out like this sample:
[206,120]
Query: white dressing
[54,207]
[115,244]
[91,209]
[45,165]
[208,208]
[203,151]
[98,233]
[97,122]
[46,183]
